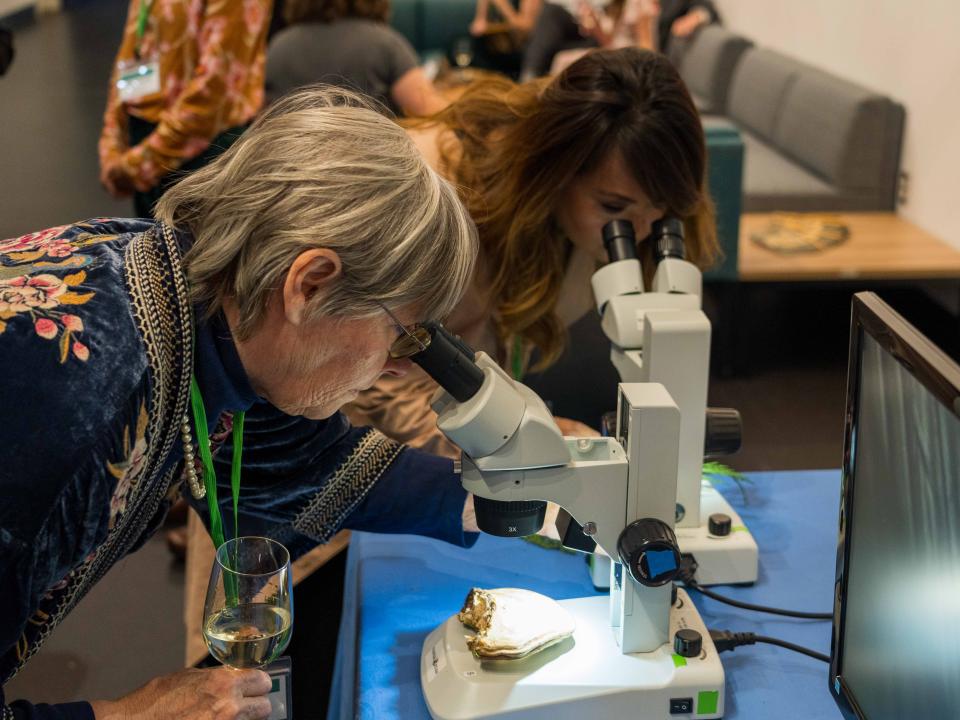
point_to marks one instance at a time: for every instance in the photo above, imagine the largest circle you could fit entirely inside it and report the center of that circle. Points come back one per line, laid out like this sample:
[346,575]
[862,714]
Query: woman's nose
[643,222]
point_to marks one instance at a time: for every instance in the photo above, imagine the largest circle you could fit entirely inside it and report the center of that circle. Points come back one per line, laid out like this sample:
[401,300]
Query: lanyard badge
[138,78]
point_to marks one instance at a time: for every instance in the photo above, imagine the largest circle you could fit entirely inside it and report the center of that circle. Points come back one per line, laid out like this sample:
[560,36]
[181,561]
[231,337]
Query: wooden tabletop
[881,246]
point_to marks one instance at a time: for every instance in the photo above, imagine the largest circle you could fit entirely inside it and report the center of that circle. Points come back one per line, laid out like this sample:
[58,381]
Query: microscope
[642,652]
[662,336]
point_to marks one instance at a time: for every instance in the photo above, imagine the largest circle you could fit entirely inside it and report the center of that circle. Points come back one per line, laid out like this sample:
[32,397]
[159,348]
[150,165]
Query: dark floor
[790,347]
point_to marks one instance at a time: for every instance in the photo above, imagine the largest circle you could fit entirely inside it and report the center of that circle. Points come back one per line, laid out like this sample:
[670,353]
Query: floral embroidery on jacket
[43,297]
[128,471]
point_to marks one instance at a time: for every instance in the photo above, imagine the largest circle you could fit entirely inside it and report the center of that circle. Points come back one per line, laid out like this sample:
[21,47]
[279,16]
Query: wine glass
[248,614]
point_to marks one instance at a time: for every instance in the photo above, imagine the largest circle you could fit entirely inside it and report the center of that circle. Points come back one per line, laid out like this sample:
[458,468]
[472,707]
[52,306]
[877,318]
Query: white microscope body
[621,661]
[663,336]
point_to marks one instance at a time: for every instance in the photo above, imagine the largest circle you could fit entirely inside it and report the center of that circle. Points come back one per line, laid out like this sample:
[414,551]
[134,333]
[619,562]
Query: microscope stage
[586,676]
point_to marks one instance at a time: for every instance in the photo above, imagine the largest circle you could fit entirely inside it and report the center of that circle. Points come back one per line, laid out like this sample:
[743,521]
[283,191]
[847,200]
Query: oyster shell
[511,623]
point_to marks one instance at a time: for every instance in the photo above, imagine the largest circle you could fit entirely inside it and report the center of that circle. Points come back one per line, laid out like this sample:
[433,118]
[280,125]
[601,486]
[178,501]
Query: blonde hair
[322,168]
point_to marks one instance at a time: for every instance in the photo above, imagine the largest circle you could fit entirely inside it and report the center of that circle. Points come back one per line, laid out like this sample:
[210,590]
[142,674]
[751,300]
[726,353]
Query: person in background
[188,78]
[542,167]
[500,31]
[556,30]
[349,43]
[650,24]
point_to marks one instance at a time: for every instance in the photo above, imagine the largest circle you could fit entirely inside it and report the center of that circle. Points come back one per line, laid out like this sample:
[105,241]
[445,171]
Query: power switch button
[681,706]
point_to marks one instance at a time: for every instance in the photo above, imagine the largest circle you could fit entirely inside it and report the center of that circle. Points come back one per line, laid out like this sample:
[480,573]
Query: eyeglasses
[412,339]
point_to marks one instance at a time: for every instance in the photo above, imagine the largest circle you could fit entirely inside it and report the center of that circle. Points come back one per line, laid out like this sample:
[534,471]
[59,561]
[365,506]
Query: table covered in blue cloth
[399,588]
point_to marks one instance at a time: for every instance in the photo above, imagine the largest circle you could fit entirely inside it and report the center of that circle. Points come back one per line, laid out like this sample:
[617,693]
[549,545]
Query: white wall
[907,50]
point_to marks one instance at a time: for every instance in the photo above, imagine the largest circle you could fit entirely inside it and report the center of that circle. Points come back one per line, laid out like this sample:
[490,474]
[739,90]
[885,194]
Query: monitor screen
[896,646]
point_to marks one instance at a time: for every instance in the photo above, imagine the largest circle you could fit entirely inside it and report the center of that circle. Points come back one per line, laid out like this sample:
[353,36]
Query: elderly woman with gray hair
[280,274]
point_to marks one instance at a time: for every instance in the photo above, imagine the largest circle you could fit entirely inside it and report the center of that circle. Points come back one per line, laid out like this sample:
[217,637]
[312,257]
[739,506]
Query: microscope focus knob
[687,643]
[648,548]
[724,432]
[719,525]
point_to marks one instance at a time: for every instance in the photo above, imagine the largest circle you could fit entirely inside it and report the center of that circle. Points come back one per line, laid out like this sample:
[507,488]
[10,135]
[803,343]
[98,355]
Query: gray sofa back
[843,132]
[757,90]
[837,132]
[707,66]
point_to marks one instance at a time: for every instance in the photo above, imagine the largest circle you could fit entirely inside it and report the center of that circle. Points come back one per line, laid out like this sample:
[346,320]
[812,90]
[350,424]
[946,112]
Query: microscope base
[729,560]
[585,676]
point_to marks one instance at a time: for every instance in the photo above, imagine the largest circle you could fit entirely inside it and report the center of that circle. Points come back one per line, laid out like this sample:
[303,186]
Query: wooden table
[882,246]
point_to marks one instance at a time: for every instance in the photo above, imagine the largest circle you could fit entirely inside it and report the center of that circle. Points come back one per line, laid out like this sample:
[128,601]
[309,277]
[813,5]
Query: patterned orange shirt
[211,56]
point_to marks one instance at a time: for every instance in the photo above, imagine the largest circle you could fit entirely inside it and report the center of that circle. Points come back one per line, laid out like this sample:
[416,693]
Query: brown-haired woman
[542,167]
[348,43]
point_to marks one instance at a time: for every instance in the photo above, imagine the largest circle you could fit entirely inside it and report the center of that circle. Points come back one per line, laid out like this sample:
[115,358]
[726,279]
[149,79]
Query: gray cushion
[759,84]
[772,181]
[842,131]
[707,65]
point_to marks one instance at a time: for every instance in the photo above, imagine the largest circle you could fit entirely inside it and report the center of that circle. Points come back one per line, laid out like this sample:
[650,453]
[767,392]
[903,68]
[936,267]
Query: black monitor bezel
[938,374]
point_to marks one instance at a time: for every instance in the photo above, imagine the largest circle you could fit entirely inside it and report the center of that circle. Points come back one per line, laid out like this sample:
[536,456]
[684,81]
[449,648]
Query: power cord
[725,640]
[688,569]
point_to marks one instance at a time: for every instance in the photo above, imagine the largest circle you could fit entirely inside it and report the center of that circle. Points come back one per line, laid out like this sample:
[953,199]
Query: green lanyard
[142,15]
[206,459]
[516,359]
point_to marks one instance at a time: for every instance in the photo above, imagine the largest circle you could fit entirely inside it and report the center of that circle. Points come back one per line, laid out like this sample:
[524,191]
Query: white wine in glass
[248,614]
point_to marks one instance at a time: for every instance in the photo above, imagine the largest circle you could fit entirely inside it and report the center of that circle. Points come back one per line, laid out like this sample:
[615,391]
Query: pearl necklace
[196,487]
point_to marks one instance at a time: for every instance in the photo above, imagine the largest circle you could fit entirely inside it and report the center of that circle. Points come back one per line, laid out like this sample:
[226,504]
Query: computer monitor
[896,631]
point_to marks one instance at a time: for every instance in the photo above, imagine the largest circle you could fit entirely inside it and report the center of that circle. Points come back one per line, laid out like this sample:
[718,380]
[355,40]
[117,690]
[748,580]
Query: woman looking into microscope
[542,166]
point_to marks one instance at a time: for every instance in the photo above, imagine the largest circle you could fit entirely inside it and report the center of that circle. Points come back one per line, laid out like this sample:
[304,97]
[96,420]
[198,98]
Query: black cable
[725,640]
[758,608]
[686,575]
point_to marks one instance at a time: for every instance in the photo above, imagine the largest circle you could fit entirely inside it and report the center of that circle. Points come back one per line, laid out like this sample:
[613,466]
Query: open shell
[511,623]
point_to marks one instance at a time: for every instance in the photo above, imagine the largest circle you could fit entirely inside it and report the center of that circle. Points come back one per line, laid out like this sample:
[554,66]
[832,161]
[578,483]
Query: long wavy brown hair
[515,147]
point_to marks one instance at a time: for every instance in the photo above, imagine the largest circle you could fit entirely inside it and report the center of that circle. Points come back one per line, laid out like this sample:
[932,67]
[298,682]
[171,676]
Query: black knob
[649,550]
[620,240]
[719,524]
[687,643]
[667,236]
[724,432]
[517,518]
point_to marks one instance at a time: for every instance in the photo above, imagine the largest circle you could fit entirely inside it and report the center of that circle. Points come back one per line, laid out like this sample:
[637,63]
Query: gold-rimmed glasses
[411,339]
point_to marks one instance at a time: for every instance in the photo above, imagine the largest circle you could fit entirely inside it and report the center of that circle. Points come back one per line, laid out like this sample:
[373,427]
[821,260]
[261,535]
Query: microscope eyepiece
[667,237]
[620,240]
[449,361]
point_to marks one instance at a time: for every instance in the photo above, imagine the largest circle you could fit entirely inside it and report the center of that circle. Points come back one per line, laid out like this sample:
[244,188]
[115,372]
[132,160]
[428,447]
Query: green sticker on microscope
[707,702]
[679,660]
[739,528]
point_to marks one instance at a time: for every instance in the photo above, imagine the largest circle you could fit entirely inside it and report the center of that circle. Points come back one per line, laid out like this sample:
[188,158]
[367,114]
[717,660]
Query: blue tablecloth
[400,587]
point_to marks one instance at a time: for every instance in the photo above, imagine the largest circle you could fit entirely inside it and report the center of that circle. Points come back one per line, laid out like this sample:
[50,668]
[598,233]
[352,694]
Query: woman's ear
[313,272]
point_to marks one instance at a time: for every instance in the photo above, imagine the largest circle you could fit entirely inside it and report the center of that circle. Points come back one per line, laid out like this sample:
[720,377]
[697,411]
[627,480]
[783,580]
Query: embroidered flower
[80,351]
[72,322]
[31,241]
[47,329]
[24,293]
[128,471]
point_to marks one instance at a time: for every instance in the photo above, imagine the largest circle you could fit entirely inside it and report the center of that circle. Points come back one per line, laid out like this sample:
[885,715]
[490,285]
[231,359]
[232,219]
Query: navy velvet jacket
[97,343]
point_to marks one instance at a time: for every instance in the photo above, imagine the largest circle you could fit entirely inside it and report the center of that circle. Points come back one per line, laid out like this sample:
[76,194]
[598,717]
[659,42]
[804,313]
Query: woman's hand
[213,694]
[478,27]
[116,181]
[684,26]
[574,428]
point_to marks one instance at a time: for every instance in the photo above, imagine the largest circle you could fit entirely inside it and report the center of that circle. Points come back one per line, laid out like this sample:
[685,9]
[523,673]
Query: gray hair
[321,168]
